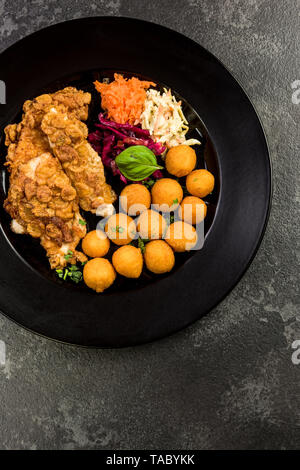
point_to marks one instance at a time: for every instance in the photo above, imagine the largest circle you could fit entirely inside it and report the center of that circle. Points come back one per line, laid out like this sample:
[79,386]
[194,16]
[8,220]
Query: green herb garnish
[118,229]
[175,201]
[141,244]
[75,274]
[69,255]
[72,272]
[82,222]
[60,273]
[137,162]
[149,183]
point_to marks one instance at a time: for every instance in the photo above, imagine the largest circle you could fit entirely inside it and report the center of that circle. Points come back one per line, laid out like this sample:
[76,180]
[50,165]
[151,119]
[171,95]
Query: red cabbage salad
[111,138]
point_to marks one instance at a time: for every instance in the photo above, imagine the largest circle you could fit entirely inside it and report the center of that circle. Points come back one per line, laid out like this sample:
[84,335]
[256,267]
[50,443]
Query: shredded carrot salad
[123,99]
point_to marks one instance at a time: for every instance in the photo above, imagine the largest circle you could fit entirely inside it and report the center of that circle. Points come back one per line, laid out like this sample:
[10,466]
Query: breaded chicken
[26,140]
[68,140]
[41,199]
[43,203]
[45,191]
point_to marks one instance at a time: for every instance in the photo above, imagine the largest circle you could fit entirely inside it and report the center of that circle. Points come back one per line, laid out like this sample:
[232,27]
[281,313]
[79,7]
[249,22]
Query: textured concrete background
[228,381]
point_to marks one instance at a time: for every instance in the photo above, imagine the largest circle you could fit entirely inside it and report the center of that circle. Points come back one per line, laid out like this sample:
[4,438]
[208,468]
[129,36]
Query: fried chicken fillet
[43,203]
[41,199]
[67,136]
[26,140]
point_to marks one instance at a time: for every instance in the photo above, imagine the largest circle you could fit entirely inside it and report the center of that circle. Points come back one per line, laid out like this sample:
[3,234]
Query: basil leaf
[137,162]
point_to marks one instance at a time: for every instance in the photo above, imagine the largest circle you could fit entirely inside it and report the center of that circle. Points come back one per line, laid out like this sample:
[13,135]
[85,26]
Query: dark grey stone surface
[227,381]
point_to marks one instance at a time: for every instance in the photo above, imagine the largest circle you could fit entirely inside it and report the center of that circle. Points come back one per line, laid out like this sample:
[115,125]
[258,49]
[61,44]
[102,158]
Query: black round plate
[70,52]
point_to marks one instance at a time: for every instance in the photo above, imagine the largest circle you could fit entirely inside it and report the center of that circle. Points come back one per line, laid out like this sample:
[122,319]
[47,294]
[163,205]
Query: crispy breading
[26,140]
[46,189]
[43,204]
[68,140]
[41,199]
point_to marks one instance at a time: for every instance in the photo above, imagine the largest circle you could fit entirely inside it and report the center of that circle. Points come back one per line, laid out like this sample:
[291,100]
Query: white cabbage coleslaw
[164,119]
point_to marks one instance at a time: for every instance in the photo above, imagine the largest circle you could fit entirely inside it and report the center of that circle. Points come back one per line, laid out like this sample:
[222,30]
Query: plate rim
[270,174]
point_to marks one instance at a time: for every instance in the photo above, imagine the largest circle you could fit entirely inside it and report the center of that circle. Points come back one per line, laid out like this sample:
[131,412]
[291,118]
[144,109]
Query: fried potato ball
[120,228]
[192,210]
[200,183]
[98,274]
[167,194]
[128,261]
[181,160]
[135,198]
[95,244]
[159,257]
[151,225]
[181,236]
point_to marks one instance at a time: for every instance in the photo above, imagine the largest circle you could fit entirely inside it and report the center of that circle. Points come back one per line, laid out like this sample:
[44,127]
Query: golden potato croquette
[99,274]
[181,236]
[128,261]
[167,194]
[159,257]
[95,244]
[120,228]
[135,198]
[181,160]
[192,210]
[151,225]
[200,183]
